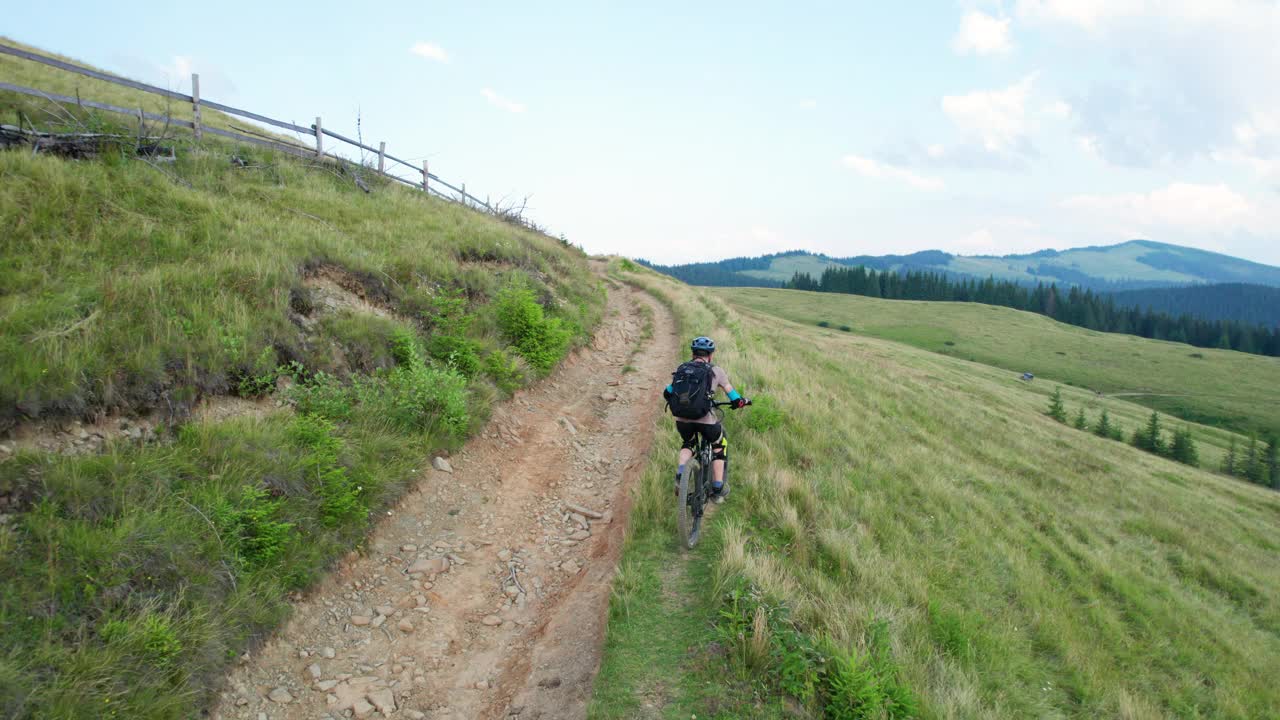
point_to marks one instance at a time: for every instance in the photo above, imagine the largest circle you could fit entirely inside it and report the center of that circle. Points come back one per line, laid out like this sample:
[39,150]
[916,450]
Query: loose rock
[405,626]
[430,566]
[384,700]
[441,464]
[360,620]
[280,695]
[492,620]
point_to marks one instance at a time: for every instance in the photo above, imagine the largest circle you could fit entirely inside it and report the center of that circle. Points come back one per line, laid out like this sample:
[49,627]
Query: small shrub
[248,526]
[539,339]
[323,395]
[845,328]
[260,379]
[458,352]
[414,395]
[627,265]
[504,370]
[824,324]
[341,498]
[150,637]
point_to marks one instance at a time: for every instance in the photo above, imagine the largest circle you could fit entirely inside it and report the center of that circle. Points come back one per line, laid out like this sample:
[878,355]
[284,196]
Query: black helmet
[703,343]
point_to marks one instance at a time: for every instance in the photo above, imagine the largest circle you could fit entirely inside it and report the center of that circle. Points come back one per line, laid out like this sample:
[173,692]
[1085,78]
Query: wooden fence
[430,182]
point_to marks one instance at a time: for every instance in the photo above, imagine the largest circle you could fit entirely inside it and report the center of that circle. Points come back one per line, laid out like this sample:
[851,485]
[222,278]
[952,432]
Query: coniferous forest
[1083,308]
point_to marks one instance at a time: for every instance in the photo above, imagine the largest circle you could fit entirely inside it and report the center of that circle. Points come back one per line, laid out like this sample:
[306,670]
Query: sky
[679,131]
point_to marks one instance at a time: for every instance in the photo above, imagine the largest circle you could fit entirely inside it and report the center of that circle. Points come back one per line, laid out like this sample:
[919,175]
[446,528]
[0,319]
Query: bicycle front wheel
[689,500]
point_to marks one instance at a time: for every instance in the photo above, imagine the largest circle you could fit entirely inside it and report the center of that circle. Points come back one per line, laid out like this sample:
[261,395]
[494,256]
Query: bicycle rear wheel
[689,503]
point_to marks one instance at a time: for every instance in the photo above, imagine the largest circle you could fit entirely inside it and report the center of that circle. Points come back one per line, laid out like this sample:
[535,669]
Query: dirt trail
[503,616]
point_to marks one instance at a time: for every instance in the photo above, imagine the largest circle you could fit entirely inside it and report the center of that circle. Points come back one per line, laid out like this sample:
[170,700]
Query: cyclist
[698,380]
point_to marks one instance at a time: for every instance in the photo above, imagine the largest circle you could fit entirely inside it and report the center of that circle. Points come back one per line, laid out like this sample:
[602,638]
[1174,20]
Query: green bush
[248,526]
[539,339]
[845,328]
[341,498]
[323,395]
[456,351]
[824,324]
[149,636]
[415,395]
[504,370]
[260,379]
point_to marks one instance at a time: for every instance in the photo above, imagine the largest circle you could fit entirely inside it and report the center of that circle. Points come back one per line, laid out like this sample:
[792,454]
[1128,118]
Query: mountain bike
[693,488]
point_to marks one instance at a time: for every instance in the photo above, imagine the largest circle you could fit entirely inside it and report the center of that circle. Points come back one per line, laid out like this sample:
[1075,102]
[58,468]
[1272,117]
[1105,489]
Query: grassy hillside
[783,269]
[342,336]
[1216,387]
[909,538]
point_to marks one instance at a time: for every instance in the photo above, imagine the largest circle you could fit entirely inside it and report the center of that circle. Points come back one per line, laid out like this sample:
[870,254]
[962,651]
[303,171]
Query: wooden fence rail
[199,126]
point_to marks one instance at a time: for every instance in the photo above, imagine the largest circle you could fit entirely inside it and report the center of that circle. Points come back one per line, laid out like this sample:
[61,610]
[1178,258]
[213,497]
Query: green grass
[784,268]
[134,576]
[926,519]
[1220,388]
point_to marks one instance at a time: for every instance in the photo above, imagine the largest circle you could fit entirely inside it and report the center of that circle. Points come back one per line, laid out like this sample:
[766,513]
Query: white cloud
[1089,15]
[1057,108]
[430,51]
[1256,146]
[809,104]
[1184,206]
[997,118]
[1183,75]
[502,103]
[982,34]
[875,169]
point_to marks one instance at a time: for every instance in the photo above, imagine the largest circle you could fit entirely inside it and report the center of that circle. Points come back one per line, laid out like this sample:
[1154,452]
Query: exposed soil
[484,593]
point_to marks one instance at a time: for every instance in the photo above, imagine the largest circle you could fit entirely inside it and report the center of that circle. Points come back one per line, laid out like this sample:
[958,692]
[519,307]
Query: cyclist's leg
[689,440]
[719,453]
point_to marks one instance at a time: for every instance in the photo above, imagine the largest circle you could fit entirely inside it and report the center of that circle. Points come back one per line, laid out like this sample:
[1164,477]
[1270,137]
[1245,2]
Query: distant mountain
[1253,304]
[1137,264]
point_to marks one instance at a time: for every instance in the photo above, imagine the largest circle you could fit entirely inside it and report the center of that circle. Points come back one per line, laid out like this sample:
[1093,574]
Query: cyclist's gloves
[666,393]
[740,403]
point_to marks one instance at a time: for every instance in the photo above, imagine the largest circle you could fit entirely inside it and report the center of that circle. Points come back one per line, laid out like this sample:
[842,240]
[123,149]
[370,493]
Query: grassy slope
[132,577]
[44,115]
[1218,387]
[785,268]
[1020,568]
[1121,262]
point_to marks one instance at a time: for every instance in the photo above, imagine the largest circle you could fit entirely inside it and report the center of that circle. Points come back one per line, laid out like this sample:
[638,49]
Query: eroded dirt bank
[484,593]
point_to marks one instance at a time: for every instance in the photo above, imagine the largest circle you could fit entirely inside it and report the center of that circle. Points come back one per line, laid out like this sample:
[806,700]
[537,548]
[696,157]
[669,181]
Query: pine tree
[1081,422]
[1229,462]
[1270,461]
[1148,438]
[1103,429]
[1253,467]
[1117,433]
[1184,449]
[1056,410]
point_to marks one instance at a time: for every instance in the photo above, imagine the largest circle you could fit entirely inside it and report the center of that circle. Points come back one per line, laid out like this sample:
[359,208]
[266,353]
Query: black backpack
[691,390]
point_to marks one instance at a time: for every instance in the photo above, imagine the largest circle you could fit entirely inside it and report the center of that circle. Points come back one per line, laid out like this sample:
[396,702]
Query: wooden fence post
[426,175]
[382,157]
[464,195]
[319,139]
[195,106]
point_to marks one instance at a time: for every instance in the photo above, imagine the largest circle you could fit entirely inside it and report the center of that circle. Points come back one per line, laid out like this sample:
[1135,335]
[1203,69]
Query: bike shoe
[719,495]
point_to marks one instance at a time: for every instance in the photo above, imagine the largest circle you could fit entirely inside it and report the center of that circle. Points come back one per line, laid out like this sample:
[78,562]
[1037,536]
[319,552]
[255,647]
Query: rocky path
[484,593]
